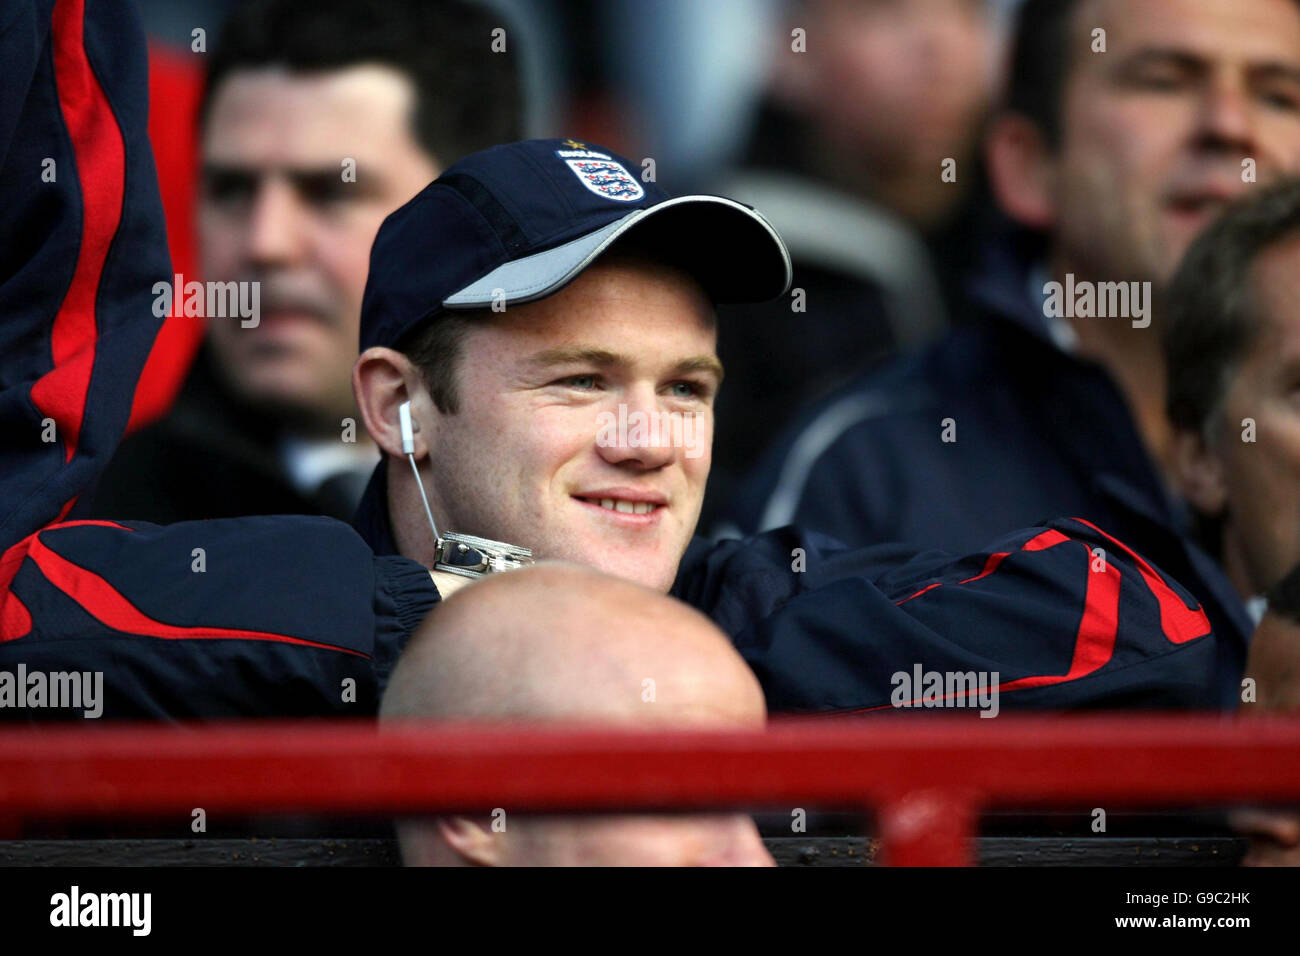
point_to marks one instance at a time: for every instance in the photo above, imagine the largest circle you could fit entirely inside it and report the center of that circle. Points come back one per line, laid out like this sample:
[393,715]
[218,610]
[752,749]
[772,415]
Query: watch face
[461,557]
[466,554]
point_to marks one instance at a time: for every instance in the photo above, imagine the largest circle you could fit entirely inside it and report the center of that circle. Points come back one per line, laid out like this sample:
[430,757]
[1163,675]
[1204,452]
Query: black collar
[371,520]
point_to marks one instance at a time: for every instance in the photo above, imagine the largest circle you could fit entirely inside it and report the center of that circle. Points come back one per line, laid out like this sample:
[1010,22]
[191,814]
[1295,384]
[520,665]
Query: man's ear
[1198,472]
[474,842]
[1022,169]
[382,379]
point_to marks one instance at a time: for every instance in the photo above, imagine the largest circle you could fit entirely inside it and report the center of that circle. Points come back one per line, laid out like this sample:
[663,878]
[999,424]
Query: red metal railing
[928,779]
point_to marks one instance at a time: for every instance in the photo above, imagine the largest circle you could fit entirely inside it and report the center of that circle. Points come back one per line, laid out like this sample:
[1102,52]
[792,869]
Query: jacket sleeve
[82,246]
[1058,617]
[252,617]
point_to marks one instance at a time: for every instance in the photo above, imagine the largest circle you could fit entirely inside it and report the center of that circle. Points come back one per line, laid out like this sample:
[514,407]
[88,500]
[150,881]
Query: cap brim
[728,247]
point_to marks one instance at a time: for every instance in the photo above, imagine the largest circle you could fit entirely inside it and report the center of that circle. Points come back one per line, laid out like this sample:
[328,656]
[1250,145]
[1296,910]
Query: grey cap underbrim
[544,273]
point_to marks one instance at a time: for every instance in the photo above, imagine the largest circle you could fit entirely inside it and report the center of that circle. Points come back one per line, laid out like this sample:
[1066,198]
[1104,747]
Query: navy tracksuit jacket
[271,616]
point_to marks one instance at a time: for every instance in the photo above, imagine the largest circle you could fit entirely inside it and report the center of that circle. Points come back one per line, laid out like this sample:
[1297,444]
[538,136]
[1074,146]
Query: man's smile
[628,507]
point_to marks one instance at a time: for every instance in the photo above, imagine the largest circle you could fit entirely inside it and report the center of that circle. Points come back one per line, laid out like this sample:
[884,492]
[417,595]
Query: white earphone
[408,449]
[408,433]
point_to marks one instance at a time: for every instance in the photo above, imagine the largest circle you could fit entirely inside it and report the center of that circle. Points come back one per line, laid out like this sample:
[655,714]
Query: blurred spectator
[1232,343]
[1232,348]
[866,103]
[1110,162]
[886,91]
[561,643]
[320,117]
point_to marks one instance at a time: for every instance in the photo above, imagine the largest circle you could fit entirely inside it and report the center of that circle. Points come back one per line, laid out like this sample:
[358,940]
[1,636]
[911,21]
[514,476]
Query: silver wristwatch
[474,557]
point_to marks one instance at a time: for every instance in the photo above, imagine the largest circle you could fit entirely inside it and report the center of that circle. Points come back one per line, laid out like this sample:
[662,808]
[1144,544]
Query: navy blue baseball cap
[518,222]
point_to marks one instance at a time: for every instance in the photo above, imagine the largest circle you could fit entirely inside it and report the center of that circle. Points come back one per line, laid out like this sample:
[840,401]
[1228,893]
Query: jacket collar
[1003,286]
[371,520]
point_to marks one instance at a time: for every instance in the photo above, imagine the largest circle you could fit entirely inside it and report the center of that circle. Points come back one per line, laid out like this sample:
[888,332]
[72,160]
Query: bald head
[562,643]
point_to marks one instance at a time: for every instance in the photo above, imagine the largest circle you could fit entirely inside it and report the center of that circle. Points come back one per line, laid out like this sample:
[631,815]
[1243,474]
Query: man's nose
[1227,116]
[275,229]
[642,432]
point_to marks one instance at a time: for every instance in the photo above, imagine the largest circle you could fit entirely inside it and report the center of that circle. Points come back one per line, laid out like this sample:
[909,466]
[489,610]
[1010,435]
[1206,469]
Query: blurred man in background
[561,643]
[1232,346]
[1232,341]
[319,119]
[1128,127]
[884,93]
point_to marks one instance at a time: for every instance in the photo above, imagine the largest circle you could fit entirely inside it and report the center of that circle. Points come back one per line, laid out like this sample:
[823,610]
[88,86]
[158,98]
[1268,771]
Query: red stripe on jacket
[1179,622]
[101,170]
[1094,642]
[104,602]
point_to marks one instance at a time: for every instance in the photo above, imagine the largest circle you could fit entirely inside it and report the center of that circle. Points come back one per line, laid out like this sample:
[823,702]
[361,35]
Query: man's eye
[582,382]
[228,188]
[686,390]
[325,191]
[1282,99]
[1156,75]
[1159,79]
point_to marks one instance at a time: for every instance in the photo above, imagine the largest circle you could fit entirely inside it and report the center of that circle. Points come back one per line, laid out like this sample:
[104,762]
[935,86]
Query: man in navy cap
[534,293]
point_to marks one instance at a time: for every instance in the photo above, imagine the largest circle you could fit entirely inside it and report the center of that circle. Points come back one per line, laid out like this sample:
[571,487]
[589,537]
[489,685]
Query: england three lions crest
[607,178]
